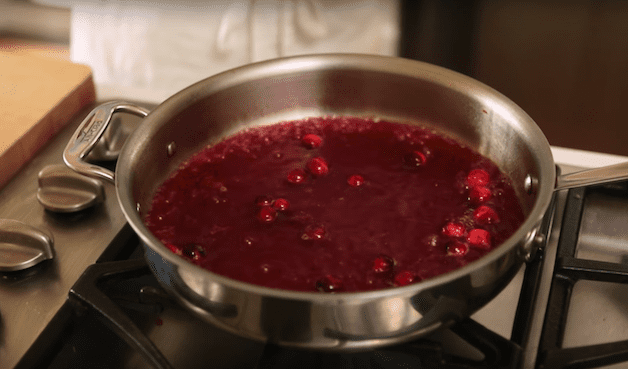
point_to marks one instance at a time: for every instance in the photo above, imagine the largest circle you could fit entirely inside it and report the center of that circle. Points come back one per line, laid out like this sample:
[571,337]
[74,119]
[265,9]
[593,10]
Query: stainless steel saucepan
[358,85]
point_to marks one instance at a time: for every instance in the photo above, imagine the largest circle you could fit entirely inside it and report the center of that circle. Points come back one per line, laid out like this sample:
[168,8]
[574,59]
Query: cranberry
[314,232]
[383,264]
[479,195]
[312,141]
[485,215]
[263,200]
[173,248]
[479,238]
[297,176]
[267,214]
[281,204]
[457,248]
[404,278]
[415,158]
[477,177]
[454,230]
[194,252]
[355,180]
[329,283]
[318,166]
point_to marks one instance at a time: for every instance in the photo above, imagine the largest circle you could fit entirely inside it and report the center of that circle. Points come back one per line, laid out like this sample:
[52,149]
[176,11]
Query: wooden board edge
[14,158]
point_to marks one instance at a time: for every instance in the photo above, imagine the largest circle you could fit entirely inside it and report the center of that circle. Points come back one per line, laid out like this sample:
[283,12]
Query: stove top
[30,299]
[47,317]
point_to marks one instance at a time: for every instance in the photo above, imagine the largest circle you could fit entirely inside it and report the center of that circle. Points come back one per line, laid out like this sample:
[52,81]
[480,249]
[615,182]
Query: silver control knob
[62,190]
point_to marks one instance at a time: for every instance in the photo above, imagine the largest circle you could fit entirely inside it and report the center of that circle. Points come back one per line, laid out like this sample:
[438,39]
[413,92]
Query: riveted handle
[89,132]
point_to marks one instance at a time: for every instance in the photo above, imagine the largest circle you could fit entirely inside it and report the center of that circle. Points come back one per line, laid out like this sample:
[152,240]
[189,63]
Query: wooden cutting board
[38,96]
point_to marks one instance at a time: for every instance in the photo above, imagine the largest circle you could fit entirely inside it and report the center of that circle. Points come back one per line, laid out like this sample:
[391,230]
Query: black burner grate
[568,270]
[497,352]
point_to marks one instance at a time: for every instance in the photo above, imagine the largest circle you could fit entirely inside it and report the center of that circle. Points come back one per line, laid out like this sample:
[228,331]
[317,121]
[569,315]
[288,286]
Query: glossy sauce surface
[335,204]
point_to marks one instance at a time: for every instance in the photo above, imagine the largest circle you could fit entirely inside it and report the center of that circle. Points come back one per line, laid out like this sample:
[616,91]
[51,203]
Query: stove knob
[62,190]
[22,246]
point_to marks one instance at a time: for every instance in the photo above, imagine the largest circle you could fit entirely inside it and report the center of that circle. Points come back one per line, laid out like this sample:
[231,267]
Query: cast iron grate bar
[88,294]
[498,352]
[592,270]
[530,286]
[567,271]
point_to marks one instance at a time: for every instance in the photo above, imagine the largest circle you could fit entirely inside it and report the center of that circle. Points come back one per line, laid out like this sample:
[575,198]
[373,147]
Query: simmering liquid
[335,204]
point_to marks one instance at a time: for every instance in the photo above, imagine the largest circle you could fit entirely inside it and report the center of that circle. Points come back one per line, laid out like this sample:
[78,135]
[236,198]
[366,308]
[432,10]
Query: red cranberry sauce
[376,205]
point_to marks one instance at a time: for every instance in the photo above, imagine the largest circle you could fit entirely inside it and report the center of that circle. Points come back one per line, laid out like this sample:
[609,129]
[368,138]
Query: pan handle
[588,177]
[89,132]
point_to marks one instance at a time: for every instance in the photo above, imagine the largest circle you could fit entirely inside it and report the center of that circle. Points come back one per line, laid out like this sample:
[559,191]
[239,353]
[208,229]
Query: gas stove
[88,300]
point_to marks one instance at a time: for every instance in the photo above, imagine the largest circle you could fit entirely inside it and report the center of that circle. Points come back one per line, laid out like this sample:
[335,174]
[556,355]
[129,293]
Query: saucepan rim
[543,188]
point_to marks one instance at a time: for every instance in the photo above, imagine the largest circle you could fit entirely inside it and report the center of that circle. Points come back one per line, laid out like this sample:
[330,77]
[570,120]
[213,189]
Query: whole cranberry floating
[312,141]
[318,166]
[478,177]
[457,248]
[415,158]
[355,180]
[454,230]
[404,278]
[383,264]
[297,176]
[479,238]
[175,249]
[267,214]
[281,204]
[329,283]
[314,232]
[263,200]
[485,215]
[479,195]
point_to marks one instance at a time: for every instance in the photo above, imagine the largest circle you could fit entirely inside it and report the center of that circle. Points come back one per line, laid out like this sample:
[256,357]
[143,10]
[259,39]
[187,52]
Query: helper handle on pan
[89,132]
[588,177]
